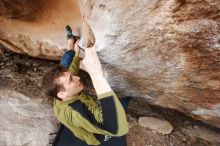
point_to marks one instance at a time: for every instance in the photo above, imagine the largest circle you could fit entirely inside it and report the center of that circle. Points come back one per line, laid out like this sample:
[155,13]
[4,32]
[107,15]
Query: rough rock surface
[20,95]
[203,133]
[24,121]
[36,28]
[155,124]
[26,115]
[167,51]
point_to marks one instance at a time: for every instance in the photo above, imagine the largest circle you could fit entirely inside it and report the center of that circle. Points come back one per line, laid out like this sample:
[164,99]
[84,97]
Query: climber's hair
[49,84]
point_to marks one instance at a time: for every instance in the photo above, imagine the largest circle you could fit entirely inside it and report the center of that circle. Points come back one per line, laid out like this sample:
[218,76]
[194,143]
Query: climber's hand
[92,65]
[91,62]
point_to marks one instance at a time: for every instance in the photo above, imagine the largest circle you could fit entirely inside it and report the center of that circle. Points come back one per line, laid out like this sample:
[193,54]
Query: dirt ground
[23,74]
[139,136]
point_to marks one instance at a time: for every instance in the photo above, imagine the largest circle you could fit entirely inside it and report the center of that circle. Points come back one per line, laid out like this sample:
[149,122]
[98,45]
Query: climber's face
[71,85]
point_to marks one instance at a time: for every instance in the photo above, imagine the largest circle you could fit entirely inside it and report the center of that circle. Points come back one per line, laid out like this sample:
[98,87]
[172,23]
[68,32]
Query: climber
[84,121]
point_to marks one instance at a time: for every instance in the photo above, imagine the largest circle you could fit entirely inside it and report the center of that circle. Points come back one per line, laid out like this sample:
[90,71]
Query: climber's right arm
[113,113]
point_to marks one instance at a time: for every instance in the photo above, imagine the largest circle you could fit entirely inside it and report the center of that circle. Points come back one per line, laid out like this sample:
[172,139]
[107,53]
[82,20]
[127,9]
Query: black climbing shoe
[68,30]
[69,34]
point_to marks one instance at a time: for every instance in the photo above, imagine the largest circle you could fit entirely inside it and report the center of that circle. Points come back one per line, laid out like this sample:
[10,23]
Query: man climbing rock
[83,121]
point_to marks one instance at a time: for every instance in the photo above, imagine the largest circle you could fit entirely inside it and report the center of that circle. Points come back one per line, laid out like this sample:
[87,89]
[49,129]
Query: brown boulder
[165,51]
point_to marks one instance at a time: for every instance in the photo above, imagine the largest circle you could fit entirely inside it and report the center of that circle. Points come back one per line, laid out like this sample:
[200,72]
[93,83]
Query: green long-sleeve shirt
[85,117]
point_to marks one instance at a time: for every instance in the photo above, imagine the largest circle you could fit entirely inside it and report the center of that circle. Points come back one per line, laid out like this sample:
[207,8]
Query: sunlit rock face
[167,51]
[36,28]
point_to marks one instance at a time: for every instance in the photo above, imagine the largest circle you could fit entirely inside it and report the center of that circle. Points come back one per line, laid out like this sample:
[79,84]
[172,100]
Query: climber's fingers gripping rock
[91,62]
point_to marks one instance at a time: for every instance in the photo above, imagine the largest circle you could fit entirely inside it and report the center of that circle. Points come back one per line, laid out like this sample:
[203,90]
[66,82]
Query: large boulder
[36,28]
[166,51]
[24,121]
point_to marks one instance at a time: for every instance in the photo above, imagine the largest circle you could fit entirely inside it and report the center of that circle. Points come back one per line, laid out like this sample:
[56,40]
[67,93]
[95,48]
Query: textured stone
[36,28]
[155,124]
[203,133]
[167,51]
[24,121]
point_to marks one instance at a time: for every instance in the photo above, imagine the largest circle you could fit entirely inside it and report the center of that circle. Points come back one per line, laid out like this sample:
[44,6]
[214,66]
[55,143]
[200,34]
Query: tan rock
[203,133]
[24,120]
[155,124]
[36,28]
[166,51]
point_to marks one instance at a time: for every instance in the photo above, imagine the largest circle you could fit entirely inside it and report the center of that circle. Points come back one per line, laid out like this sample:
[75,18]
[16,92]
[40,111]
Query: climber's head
[61,84]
